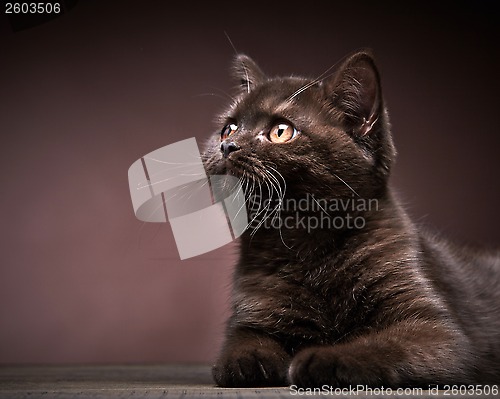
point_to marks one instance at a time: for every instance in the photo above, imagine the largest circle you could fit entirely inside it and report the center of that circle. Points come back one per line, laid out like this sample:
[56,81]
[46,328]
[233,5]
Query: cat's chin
[216,168]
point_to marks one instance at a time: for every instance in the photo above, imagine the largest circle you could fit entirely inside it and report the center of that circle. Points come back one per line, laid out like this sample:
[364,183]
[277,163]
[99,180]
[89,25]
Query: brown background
[85,95]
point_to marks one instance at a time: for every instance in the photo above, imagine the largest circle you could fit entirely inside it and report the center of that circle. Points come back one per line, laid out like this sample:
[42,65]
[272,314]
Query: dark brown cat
[341,288]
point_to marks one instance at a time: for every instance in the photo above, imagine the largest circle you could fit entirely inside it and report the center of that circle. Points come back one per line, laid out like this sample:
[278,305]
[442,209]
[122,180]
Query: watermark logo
[170,184]
[309,213]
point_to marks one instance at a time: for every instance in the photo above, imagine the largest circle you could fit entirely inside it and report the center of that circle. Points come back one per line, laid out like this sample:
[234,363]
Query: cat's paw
[314,367]
[251,367]
[318,366]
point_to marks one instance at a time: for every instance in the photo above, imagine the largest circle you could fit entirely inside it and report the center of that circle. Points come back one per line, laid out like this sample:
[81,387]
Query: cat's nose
[227,148]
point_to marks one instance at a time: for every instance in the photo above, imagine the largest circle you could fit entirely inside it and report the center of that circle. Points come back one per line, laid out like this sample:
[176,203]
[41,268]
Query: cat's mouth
[249,169]
[243,168]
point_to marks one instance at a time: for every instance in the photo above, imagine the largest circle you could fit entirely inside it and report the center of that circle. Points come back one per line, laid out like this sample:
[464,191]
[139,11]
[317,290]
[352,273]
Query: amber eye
[227,131]
[282,132]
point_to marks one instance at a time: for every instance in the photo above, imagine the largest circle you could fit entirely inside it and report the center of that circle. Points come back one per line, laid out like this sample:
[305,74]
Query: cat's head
[327,137]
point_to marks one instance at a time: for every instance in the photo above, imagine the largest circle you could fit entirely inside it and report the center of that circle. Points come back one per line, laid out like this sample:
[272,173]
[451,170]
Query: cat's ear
[355,90]
[247,73]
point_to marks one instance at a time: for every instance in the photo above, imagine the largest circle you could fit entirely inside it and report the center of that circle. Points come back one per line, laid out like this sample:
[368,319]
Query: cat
[315,300]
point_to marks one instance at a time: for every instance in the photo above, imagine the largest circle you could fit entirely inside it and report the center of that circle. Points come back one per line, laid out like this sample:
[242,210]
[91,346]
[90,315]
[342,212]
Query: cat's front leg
[251,359]
[405,354]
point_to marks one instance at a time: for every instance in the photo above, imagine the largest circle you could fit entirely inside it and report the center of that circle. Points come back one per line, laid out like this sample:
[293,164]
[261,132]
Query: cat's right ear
[355,91]
[247,73]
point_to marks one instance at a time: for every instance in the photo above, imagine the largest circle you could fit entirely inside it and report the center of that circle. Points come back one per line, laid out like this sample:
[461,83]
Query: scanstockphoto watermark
[366,391]
[355,390]
[310,213]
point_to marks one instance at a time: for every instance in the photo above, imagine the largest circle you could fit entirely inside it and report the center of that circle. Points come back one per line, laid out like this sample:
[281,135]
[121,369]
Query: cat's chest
[306,310]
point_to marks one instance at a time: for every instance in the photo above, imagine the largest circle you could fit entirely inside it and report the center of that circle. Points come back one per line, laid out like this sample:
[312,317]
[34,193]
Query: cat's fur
[382,305]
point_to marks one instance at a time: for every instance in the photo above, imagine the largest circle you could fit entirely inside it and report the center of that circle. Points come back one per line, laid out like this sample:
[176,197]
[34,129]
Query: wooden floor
[152,381]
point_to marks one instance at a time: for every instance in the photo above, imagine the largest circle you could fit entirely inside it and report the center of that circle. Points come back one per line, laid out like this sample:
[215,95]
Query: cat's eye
[282,132]
[228,130]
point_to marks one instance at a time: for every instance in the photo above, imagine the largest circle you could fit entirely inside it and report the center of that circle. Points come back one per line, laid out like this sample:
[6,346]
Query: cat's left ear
[355,90]
[247,73]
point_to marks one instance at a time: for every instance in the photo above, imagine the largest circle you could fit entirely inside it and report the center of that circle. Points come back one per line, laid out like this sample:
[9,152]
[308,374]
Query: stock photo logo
[170,184]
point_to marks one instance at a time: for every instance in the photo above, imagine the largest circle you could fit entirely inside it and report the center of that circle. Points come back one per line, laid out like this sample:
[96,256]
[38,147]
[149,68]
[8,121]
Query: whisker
[212,95]
[243,205]
[172,163]
[321,77]
[260,203]
[222,94]
[244,66]
[279,206]
[262,221]
[141,186]
[350,188]
[323,209]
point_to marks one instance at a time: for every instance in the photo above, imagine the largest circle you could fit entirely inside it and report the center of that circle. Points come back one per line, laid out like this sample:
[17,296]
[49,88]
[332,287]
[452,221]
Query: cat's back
[472,272]
[468,280]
